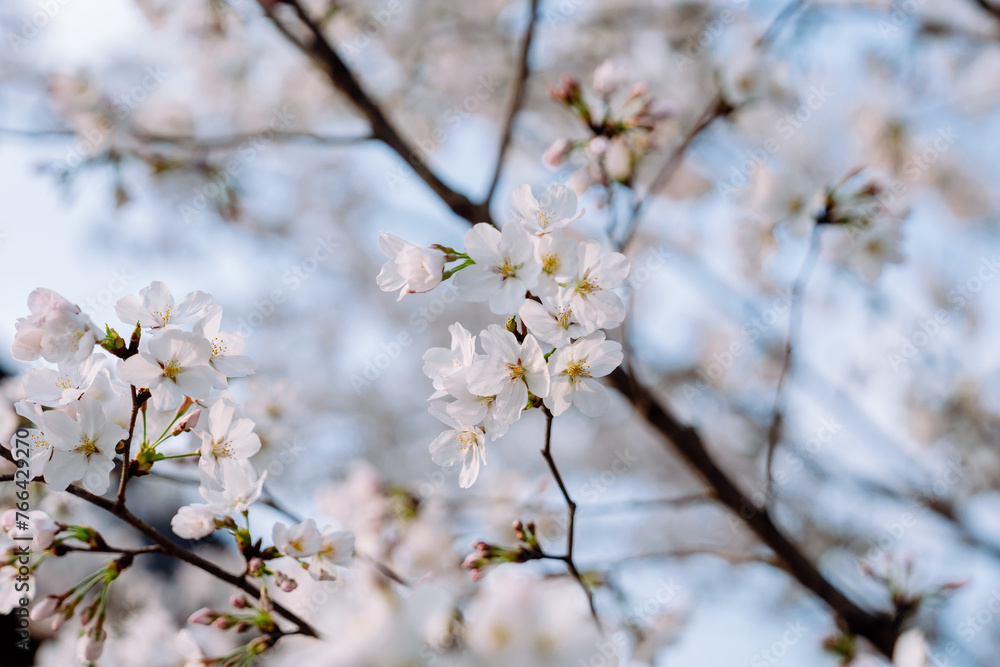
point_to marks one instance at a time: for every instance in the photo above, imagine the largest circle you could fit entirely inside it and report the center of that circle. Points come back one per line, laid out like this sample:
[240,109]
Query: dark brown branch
[570,516]
[151,549]
[235,140]
[880,629]
[516,100]
[171,549]
[329,61]
[127,452]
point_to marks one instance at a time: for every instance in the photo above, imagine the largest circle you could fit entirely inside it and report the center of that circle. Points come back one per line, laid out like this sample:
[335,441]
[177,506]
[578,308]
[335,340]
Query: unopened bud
[239,601]
[203,616]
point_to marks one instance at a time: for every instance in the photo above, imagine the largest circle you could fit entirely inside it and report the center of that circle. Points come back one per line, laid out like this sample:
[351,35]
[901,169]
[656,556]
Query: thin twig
[716,108]
[127,451]
[180,553]
[235,140]
[794,329]
[773,30]
[329,61]
[520,83]
[570,516]
[149,549]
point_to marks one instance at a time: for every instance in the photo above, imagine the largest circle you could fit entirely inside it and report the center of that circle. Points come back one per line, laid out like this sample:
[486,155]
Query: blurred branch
[794,332]
[716,108]
[773,30]
[728,555]
[233,141]
[520,83]
[880,629]
[127,451]
[989,8]
[570,516]
[329,61]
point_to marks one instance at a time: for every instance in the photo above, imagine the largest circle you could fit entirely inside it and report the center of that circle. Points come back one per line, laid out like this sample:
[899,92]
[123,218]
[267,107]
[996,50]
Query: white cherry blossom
[56,330]
[552,321]
[558,255]
[41,529]
[441,362]
[155,307]
[591,298]
[335,553]
[463,442]
[193,522]
[505,267]
[227,357]
[555,209]
[411,268]
[225,440]
[509,371]
[298,540]
[56,388]
[83,445]
[574,369]
[175,365]
[241,489]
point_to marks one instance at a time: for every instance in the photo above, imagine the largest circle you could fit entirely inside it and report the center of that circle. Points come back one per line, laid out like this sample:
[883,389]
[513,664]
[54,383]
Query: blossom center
[550,263]
[587,286]
[222,449]
[563,316]
[164,314]
[514,371]
[171,369]
[508,269]
[578,369]
[87,446]
[465,439]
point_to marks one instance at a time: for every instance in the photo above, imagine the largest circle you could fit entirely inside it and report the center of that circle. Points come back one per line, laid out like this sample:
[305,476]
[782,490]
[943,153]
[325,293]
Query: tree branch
[880,629]
[516,100]
[570,516]
[329,61]
[171,549]
[127,452]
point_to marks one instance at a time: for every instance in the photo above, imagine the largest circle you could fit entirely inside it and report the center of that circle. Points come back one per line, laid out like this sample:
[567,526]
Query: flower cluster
[558,294]
[100,396]
[620,136]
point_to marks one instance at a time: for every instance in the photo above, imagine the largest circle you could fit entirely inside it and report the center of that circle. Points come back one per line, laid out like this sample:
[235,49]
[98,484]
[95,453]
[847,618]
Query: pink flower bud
[557,152]
[46,607]
[222,623]
[188,422]
[8,520]
[90,646]
[239,601]
[255,566]
[203,616]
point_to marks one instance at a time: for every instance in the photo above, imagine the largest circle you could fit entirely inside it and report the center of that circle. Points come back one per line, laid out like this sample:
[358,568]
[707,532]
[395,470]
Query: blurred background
[192,142]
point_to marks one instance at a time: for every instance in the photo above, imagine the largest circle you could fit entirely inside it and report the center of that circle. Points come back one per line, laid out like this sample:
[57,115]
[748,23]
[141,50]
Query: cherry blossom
[558,256]
[334,554]
[441,362]
[298,540]
[56,388]
[193,522]
[552,321]
[505,267]
[463,443]
[509,371]
[591,298]
[241,489]
[13,587]
[175,365]
[574,369]
[227,357]
[41,528]
[56,330]
[555,209]
[410,269]
[155,307]
[83,446]
[226,440]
